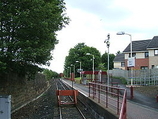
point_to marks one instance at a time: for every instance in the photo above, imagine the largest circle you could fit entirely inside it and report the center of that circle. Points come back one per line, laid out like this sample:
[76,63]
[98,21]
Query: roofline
[136,51]
[118,61]
[152,48]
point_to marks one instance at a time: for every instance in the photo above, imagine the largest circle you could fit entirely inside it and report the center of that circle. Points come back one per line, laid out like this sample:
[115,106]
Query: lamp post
[66,70]
[73,69]
[80,68]
[129,62]
[73,76]
[93,64]
[108,45]
[70,71]
[123,33]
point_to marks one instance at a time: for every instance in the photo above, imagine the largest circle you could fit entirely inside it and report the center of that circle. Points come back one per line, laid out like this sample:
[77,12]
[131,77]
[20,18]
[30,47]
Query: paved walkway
[141,99]
[136,108]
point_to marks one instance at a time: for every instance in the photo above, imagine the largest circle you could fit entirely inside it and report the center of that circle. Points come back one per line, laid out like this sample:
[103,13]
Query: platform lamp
[73,69]
[131,62]
[70,71]
[80,68]
[73,75]
[93,63]
[123,33]
[66,70]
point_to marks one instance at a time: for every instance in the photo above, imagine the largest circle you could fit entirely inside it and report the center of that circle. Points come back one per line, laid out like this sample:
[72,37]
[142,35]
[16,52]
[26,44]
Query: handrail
[110,96]
[123,112]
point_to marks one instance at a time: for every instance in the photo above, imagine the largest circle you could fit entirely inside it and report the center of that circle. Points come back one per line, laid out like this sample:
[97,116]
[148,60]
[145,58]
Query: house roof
[119,58]
[137,46]
[153,43]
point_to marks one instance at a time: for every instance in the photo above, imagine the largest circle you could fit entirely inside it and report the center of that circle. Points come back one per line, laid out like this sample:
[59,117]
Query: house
[153,53]
[119,61]
[145,53]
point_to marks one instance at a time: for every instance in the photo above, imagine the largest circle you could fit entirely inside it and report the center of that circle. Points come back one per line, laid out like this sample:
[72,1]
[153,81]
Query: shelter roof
[95,72]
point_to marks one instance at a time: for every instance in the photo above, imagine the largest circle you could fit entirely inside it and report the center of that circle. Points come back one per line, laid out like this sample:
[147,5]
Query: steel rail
[64,86]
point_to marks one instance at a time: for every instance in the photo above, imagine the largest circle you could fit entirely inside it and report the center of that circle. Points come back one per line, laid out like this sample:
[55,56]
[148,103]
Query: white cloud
[92,20]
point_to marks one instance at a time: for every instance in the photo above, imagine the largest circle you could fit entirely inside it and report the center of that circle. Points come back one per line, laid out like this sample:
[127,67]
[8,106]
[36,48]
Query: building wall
[139,63]
[153,60]
[126,56]
[151,52]
[139,55]
[117,65]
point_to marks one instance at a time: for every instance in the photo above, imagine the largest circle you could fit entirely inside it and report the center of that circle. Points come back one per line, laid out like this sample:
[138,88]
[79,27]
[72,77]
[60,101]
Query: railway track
[69,111]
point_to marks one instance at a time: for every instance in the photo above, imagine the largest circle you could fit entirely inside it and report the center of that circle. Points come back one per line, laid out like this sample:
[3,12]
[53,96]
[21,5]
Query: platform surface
[134,110]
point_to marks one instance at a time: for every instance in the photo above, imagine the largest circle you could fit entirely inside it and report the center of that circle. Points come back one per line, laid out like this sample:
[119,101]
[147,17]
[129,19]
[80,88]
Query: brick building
[145,53]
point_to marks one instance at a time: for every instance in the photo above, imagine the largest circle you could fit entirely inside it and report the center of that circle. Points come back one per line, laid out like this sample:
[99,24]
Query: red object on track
[72,93]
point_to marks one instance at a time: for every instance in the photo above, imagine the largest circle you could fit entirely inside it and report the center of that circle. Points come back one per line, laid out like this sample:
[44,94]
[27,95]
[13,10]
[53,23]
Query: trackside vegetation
[28,35]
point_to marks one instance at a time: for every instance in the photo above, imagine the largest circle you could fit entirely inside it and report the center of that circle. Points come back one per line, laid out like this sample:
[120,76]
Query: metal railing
[140,77]
[111,97]
[123,112]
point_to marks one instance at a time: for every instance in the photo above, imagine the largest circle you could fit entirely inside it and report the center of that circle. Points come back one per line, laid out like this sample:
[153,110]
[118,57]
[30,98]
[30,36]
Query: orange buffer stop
[72,93]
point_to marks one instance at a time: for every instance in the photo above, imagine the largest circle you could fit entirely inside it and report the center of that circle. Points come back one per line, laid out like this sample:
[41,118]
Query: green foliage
[123,80]
[2,66]
[28,33]
[101,67]
[105,60]
[118,52]
[78,53]
[77,80]
[50,74]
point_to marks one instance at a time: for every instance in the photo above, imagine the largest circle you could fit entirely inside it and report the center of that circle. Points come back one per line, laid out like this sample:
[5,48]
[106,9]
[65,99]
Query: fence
[111,97]
[140,77]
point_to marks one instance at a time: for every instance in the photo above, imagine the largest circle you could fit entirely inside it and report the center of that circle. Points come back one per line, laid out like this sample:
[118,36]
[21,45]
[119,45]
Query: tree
[101,67]
[105,60]
[50,74]
[118,52]
[78,53]
[28,33]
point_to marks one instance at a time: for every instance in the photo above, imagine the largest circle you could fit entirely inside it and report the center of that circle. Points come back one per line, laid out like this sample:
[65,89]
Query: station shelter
[99,76]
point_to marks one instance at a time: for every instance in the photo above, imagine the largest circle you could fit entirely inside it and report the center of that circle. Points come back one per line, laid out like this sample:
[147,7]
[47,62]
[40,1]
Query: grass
[77,79]
[123,80]
[150,91]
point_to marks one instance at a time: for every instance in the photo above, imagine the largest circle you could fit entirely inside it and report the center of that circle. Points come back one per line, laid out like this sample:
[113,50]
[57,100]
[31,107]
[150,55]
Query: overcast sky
[92,20]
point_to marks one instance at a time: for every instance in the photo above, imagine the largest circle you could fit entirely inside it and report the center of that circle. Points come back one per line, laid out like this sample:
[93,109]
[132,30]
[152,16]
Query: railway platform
[135,109]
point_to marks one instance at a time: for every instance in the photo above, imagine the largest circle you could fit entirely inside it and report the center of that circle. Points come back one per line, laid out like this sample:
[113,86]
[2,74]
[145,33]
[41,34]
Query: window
[133,54]
[144,67]
[122,64]
[146,54]
[156,52]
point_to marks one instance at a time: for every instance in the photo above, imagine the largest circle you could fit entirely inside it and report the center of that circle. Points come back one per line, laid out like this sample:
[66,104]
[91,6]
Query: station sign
[131,62]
